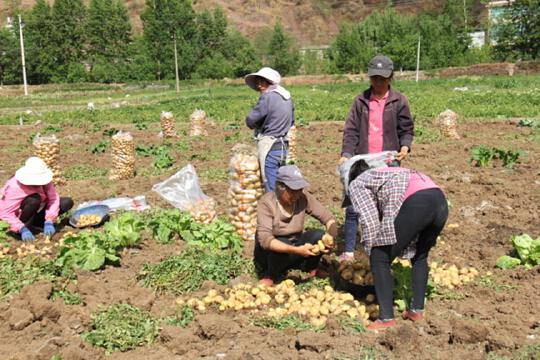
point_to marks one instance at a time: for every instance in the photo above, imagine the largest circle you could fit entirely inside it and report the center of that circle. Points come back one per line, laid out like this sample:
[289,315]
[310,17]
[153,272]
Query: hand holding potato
[305,250]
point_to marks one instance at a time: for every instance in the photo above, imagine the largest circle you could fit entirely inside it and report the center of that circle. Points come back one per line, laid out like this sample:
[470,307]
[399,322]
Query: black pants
[274,265]
[30,214]
[422,216]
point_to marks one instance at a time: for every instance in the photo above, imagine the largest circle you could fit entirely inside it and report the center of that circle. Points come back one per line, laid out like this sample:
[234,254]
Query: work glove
[48,229]
[26,235]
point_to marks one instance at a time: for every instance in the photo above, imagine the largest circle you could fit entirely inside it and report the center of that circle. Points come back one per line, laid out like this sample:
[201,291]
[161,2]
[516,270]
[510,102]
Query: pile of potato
[48,149]
[30,249]
[450,276]
[283,299]
[203,211]
[123,156]
[168,128]
[291,155]
[88,220]
[244,191]
[357,272]
[198,123]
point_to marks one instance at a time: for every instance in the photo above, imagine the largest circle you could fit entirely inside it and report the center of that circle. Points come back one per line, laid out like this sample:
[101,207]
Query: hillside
[312,22]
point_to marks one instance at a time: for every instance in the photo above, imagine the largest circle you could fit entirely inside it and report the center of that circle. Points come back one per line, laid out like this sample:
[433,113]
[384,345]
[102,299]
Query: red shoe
[381,325]
[412,315]
[266,281]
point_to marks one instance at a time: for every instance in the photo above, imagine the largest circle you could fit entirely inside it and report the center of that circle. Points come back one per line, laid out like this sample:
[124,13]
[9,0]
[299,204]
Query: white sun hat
[267,73]
[34,172]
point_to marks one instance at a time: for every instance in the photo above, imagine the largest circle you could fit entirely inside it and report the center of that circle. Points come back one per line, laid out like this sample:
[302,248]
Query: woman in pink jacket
[29,199]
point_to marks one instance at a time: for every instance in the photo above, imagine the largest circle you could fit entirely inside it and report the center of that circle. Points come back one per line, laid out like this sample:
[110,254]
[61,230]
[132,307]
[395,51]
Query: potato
[328,240]
[347,274]
[357,278]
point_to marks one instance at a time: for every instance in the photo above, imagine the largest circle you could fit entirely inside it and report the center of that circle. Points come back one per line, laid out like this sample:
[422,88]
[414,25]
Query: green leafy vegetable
[507,262]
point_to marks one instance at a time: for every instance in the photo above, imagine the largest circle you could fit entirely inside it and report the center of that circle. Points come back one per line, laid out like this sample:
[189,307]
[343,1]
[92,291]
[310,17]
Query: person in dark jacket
[379,120]
[271,120]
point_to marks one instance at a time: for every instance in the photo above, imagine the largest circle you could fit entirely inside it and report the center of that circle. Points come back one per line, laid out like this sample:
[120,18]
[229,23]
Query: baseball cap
[291,176]
[381,65]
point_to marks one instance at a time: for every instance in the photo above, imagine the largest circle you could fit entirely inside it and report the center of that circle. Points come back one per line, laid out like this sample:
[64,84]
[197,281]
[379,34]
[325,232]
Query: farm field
[51,314]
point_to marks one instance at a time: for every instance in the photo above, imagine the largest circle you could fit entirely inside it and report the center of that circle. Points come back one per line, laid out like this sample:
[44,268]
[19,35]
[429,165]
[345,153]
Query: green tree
[67,37]
[163,21]
[40,62]
[283,56]
[519,33]
[240,53]
[10,63]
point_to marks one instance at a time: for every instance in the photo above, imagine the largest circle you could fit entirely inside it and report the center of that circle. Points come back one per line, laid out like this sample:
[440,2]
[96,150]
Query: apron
[264,145]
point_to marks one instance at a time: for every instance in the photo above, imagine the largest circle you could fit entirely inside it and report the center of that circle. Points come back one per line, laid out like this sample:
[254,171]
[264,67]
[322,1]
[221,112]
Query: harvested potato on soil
[315,305]
[450,276]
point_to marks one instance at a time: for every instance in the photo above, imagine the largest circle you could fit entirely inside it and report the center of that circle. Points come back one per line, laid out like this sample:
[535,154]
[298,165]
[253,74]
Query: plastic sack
[168,128]
[375,160]
[245,188]
[447,121]
[48,149]
[291,154]
[137,203]
[198,123]
[123,156]
[184,192]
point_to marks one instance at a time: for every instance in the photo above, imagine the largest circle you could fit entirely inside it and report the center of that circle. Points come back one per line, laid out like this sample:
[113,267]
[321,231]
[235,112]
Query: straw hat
[34,172]
[267,73]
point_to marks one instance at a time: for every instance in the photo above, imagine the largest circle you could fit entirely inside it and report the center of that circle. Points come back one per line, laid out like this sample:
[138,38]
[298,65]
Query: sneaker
[346,256]
[413,315]
[266,281]
[381,324]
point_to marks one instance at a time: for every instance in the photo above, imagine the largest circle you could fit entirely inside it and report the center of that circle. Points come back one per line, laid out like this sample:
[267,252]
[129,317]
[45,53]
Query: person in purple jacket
[379,120]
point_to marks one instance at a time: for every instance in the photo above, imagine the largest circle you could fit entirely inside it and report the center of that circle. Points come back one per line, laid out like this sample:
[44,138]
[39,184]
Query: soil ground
[489,205]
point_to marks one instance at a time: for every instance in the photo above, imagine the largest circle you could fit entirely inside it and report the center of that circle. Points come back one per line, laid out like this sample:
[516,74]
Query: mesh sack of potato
[123,156]
[447,121]
[198,123]
[244,190]
[168,128]
[48,149]
[203,211]
[291,155]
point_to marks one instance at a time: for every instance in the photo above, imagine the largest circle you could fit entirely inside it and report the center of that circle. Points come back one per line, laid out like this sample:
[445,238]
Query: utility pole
[418,59]
[22,56]
[465,13]
[176,65]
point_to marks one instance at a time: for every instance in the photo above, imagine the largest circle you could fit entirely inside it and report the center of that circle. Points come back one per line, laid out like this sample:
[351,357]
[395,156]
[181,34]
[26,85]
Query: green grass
[488,97]
[489,282]
[84,172]
[122,327]
[186,272]
[285,322]
[16,274]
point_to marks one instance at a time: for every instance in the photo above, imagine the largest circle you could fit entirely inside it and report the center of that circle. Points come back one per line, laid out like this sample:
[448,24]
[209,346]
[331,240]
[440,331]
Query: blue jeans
[274,159]
[350,227]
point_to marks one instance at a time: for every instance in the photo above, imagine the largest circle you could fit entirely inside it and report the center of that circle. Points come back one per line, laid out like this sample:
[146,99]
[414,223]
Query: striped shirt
[377,196]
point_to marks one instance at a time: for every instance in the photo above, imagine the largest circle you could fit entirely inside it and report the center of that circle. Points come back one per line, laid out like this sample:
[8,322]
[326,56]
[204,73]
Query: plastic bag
[184,192]
[198,123]
[48,149]
[447,121]
[244,190]
[123,156]
[137,203]
[168,128]
[375,160]
[291,154]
